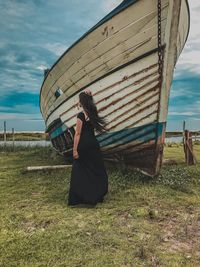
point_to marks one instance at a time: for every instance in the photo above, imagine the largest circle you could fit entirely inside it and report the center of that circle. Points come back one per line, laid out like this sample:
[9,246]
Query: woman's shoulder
[81,115]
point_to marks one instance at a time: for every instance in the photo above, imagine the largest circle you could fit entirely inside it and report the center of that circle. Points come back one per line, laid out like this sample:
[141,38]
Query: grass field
[142,222]
[29,136]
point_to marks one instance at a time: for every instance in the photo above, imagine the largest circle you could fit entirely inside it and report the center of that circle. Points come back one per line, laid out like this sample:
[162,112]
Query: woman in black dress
[89,179]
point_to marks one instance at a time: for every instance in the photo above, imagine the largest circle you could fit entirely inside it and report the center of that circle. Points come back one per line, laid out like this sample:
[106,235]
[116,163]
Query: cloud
[176,113]
[17,9]
[188,62]
[19,109]
[42,67]
[109,5]
[180,109]
[57,48]
[196,119]
[35,33]
[21,116]
[20,67]
[22,108]
[185,88]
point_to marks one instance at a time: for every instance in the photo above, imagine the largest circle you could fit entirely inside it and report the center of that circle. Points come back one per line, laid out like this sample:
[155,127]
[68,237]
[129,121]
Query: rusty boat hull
[118,60]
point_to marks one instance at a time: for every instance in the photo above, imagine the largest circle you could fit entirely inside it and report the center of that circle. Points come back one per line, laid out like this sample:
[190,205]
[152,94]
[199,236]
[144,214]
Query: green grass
[142,222]
[174,151]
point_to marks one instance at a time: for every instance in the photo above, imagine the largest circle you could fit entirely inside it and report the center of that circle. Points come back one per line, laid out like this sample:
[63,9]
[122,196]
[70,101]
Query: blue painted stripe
[138,138]
[139,134]
[58,131]
[125,135]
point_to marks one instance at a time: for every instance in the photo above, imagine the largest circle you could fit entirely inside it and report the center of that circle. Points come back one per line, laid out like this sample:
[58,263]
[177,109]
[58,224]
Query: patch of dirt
[182,235]
[30,226]
[169,162]
[124,218]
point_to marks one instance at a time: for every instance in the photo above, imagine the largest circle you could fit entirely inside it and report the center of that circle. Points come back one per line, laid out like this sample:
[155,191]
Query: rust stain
[131,93]
[131,116]
[125,78]
[128,77]
[105,31]
[105,63]
[119,82]
[131,124]
[131,109]
[119,99]
[59,143]
[114,84]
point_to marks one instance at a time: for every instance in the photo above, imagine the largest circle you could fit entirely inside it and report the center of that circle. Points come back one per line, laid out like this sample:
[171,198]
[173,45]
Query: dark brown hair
[90,108]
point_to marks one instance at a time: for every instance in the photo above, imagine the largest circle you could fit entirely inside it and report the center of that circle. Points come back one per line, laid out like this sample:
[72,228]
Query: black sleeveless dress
[89,179]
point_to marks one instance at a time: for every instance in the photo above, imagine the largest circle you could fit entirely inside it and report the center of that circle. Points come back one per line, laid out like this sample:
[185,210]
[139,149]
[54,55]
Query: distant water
[175,139]
[27,143]
[43,143]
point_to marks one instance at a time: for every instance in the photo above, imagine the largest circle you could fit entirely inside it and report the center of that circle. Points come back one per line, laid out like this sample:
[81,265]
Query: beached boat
[127,60]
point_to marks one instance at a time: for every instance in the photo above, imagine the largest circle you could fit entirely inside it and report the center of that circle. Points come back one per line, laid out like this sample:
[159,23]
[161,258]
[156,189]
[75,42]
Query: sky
[34,33]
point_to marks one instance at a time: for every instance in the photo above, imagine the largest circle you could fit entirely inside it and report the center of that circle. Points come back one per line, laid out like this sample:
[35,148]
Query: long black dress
[89,179]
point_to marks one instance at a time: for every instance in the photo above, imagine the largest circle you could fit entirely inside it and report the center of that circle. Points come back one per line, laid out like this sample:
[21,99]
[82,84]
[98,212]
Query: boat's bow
[127,60]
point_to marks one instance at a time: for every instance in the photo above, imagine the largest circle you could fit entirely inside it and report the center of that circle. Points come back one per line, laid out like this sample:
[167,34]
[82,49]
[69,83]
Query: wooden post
[13,138]
[186,147]
[184,137]
[4,134]
[190,158]
[183,126]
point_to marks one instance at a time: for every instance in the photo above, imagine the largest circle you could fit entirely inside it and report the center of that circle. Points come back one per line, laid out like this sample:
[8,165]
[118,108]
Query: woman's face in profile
[79,103]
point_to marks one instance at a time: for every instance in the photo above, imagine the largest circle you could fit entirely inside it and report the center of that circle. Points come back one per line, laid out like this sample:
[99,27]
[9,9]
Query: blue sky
[34,33]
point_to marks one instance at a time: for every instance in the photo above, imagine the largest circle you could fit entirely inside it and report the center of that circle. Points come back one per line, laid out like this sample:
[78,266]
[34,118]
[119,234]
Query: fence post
[190,158]
[4,134]
[184,146]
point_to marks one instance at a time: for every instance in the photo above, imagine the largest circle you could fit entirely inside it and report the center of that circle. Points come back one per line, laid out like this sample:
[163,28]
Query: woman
[89,179]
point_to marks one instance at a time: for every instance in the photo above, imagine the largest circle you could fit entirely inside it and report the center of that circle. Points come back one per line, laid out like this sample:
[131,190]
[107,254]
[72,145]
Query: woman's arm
[77,135]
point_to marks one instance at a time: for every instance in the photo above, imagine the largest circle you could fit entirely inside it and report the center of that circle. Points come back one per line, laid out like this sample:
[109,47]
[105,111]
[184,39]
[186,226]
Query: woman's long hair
[89,107]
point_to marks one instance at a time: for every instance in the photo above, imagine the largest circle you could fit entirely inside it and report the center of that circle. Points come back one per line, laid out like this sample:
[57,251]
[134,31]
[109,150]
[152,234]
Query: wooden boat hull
[118,61]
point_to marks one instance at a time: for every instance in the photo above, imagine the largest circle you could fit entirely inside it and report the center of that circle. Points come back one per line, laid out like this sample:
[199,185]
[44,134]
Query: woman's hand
[75,154]
[87,91]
